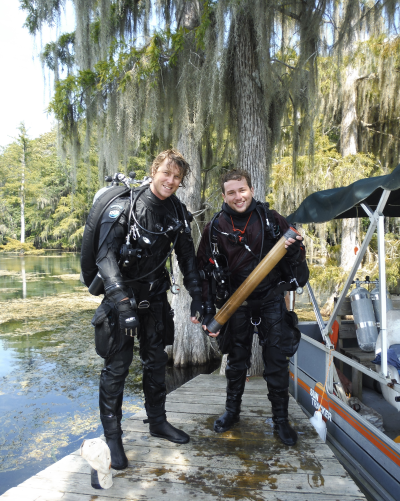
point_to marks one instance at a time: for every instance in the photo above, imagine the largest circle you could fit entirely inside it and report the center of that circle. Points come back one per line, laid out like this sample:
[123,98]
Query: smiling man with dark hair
[232,245]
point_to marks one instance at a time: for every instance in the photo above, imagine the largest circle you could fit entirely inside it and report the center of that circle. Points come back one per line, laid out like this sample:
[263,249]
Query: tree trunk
[23,142]
[23,197]
[252,130]
[349,240]
[348,144]
[191,346]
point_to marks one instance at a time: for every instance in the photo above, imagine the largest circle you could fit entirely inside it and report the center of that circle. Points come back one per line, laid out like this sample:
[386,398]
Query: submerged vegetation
[53,387]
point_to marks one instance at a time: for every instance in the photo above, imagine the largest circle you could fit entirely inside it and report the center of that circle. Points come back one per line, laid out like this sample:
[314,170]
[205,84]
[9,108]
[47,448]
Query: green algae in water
[49,379]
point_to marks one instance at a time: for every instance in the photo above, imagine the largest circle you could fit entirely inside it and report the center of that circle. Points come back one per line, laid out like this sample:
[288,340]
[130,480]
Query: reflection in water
[23,278]
[49,370]
[49,384]
[40,275]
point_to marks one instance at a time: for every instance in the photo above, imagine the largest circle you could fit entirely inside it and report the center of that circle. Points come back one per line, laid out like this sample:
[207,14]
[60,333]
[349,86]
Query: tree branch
[290,14]
[281,62]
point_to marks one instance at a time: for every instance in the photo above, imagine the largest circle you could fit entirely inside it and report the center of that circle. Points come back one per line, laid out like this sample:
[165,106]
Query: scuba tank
[377,303]
[364,318]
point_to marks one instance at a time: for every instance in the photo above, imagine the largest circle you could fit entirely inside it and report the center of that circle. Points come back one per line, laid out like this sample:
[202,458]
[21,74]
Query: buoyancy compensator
[90,235]
[120,186]
[364,318]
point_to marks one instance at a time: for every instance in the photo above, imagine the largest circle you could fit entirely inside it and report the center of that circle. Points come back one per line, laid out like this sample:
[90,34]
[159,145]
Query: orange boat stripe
[384,448]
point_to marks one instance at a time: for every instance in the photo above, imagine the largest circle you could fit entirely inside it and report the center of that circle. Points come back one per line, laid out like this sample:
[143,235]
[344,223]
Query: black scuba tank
[90,235]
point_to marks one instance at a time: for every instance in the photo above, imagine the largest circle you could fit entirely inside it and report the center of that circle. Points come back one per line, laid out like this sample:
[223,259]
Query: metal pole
[318,316]
[357,262]
[382,291]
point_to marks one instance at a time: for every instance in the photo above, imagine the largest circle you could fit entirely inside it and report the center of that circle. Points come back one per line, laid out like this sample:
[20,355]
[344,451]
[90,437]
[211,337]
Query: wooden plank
[184,484]
[247,401]
[201,426]
[347,330]
[162,490]
[218,409]
[144,461]
[248,462]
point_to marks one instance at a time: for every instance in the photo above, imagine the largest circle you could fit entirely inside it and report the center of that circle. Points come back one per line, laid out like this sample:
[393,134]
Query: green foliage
[39,13]
[326,277]
[15,246]
[205,22]
[326,169]
[57,197]
[59,53]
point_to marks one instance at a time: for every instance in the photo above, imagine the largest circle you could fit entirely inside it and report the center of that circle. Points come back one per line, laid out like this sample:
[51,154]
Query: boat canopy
[340,203]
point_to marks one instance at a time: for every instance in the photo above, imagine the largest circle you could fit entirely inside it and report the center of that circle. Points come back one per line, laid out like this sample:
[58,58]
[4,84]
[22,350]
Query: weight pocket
[105,330]
[290,334]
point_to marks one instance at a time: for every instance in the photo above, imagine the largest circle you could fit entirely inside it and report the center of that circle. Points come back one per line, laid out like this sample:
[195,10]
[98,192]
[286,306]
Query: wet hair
[174,157]
[235,175]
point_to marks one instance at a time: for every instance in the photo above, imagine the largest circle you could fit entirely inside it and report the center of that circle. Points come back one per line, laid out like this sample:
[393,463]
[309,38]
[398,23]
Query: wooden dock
[247,462]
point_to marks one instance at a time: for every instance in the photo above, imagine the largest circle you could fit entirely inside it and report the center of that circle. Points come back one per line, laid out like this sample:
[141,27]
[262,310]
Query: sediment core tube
[255,278]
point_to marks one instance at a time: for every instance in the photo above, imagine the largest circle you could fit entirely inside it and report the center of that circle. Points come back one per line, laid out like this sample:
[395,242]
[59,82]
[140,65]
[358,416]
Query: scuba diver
[129,236]
[232,245]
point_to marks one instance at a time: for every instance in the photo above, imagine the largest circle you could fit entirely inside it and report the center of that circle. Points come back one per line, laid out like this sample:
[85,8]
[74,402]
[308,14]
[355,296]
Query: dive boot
[286,433]
[113,434]
[160,428]
[119,461]
[225,422]
[236,380]
[280,401]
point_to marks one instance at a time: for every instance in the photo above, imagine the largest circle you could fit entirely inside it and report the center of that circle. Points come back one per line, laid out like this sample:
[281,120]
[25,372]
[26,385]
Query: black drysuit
[150,292]
[278,334]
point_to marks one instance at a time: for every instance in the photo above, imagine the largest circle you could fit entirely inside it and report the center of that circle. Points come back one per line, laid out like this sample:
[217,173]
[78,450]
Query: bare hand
[291,241]
[211,334]
[194,320]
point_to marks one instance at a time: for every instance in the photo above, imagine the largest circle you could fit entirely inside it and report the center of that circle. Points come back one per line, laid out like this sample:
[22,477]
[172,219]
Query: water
[49,370]
[32,276]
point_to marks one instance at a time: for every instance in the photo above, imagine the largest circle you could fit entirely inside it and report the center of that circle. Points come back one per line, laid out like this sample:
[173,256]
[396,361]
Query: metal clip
[215,249]
[143,305]
[255,323]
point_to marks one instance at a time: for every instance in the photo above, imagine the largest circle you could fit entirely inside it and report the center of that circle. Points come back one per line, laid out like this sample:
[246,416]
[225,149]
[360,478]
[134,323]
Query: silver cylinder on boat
[364,318]
[377,303]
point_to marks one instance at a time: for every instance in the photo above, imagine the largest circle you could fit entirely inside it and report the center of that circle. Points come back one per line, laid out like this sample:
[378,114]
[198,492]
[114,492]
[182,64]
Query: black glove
[293,251]
[196,308]
[209,312]
[127,318]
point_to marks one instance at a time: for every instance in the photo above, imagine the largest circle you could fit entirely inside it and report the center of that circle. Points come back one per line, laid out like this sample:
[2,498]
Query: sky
[24,95]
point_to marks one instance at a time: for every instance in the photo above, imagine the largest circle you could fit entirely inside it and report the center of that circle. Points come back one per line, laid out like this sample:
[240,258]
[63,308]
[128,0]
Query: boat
[370,453]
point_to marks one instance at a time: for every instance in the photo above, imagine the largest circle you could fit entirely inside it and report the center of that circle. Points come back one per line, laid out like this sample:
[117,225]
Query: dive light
[252,281]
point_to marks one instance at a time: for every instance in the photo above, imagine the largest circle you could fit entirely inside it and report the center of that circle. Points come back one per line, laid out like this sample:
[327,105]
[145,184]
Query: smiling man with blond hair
[136,235]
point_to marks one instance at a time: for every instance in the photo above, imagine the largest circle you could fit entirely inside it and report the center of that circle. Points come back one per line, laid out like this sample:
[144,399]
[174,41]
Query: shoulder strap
[270,220]
[211,233]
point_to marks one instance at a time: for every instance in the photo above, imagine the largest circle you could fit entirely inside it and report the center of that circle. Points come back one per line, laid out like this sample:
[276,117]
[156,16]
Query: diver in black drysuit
[153,317]
[241,240]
